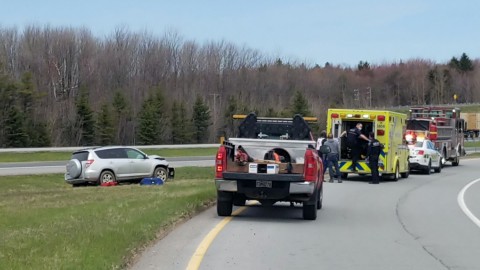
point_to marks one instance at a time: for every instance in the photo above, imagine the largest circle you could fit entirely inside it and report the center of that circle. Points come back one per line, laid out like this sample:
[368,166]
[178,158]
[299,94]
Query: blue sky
[341,32]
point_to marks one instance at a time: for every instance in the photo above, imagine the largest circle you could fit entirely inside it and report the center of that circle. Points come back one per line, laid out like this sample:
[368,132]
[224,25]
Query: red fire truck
[441,125]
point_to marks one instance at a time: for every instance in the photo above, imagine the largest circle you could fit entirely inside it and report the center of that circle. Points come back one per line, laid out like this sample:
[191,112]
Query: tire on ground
[160,172]
[224,203]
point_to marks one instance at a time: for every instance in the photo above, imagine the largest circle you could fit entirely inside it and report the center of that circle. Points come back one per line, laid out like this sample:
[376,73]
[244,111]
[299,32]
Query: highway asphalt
[415,223]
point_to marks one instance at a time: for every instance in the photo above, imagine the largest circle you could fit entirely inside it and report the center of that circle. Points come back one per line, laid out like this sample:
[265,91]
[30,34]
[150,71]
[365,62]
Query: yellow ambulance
[389,128]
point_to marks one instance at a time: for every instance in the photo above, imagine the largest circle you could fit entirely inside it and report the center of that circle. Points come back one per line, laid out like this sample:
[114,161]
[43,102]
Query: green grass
[61,156]
[47,224]
[472,144]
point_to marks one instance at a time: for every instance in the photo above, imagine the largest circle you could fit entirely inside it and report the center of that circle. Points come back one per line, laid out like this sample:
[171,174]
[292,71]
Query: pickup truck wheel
[224,203]
[309,211]
[320,199]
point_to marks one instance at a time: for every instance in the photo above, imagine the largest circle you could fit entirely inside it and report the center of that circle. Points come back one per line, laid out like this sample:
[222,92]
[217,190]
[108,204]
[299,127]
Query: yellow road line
[197,257]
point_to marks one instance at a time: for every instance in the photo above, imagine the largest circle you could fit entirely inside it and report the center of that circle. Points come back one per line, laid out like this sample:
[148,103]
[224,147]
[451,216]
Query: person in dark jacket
[332,158]
[354,137]
[373,154]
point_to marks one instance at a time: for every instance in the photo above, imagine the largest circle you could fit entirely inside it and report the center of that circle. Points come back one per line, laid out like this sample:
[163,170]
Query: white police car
[424,157]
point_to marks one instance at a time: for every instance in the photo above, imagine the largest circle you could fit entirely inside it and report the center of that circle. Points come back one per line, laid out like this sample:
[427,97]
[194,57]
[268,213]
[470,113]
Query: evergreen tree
[36,128]
[148,130]
[16,135]
[161,113]
[175,123]
[299,105]
[41,136]
[121,116]
[185,129]
[465,64]
[200,120]
[85,120]
[105,130]
[153,120]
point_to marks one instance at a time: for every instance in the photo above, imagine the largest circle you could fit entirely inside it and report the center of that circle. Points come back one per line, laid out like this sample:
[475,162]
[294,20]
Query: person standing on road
[373,154]
[354,136]
[332,158]
[320,141]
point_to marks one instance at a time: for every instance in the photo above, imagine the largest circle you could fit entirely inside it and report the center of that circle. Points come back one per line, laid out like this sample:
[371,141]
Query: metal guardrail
[72,149]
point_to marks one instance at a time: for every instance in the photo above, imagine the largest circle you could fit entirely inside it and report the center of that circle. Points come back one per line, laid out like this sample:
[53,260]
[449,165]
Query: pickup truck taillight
[220,164]
[310,170]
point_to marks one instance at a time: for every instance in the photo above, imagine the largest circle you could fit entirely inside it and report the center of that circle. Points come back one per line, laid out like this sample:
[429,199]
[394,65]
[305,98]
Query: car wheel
[439,168]
[74,168]
[428,170]
[160,172]
[106,177]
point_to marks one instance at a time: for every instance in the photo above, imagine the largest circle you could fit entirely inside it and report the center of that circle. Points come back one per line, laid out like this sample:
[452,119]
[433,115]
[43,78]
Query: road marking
[463,206]
[197,257]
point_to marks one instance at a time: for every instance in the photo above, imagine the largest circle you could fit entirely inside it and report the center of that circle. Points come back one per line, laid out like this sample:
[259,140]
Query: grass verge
[60,156]
[47,224]
[472,143]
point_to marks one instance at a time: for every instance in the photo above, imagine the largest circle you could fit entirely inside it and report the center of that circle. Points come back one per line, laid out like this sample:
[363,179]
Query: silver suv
[115,163]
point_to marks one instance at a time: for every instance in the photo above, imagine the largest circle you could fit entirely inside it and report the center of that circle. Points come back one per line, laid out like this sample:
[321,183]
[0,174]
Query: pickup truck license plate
[264,184]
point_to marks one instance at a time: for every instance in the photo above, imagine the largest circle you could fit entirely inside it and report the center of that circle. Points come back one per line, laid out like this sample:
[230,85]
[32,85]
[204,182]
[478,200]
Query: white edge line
[463,206]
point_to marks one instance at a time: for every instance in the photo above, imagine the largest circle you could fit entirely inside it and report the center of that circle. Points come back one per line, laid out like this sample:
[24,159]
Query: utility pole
[369,96]
[356,96]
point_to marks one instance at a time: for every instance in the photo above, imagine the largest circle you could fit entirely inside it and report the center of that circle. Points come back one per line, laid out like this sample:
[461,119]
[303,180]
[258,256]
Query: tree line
[62,86]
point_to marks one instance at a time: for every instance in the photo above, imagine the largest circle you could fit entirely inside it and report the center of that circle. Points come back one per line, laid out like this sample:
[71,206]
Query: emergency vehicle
[389,128]
[441,125]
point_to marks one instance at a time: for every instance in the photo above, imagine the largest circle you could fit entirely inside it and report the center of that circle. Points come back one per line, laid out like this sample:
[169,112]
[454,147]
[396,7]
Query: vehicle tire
[396,174]
[320,199]
[439,168]
[444,158]
[406,173]
[344,175]
[106,177]
[224,203]
[309,211]
[456,161]
[239,200]
[160,172]
[74,168]
[428,170]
